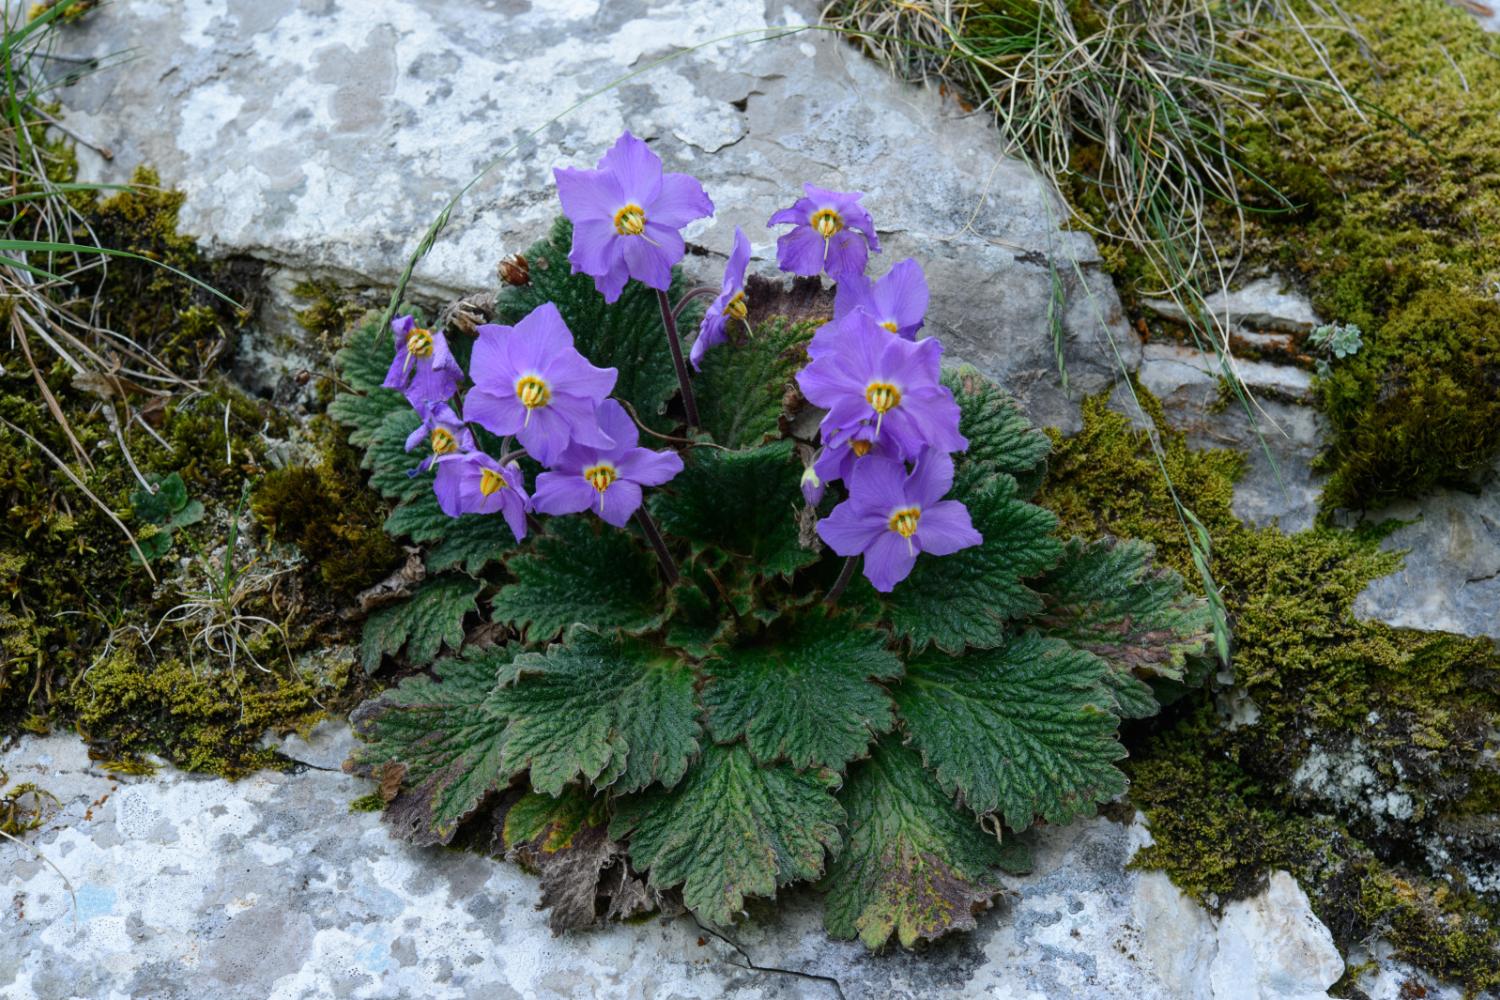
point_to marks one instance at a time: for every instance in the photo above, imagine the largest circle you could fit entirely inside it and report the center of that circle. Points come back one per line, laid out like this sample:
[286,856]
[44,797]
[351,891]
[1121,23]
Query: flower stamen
[860,447]
[600,477]
[738,307]
[630,220]
[419,343]
[889,325]
[491,481]
[827,222]
[883,397]
[533,392]
[904,522]
[443,441]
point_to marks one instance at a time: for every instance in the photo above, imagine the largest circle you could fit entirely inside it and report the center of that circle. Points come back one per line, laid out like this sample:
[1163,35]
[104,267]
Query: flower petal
[622,499]
[682,199]
[497,414]
[595,247]
[651,266]
[931,478]
[878,484]
[635,168]
[889,561]
[588,194]
[847,255]
[849,530]
[649,468]
[800,252]
[945,528]
[562,493]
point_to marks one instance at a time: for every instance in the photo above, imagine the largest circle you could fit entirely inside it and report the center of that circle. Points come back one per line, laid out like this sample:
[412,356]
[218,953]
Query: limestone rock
[316,139]
[1271,947]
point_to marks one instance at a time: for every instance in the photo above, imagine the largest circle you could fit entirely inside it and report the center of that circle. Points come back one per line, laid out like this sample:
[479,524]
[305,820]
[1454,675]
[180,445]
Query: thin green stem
[689,403]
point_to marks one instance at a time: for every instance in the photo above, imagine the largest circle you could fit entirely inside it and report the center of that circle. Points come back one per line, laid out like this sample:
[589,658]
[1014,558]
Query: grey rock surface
[326,137]
[191,887]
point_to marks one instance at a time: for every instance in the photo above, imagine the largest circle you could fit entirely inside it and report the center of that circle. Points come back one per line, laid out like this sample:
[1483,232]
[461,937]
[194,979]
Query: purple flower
[836,459]
[866,375]
[897,301]
[474,483]
[833,233]
[530,381]
[443,430]
[424,369]
[892,516]
[731,303]
[608,479]
[626,216]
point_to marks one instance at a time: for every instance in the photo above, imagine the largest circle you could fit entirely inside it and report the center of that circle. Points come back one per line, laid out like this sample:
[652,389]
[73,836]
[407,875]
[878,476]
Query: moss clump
[1394,230]
[1413,709]
[330,310]
[202,719]
[332,518]
[1099,482]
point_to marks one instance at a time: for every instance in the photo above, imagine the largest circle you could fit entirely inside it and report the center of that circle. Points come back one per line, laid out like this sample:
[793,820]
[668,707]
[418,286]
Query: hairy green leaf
[470,541]
[741,389]
[432,617]
[442,738]
[732,829]
[627,335]
[362,364]
[1107,598]
[743,502]
[614,711]
[1001,439]
[1020,729]
[913,866]
[803,694]
[389,462]
[582,571]
[966,599]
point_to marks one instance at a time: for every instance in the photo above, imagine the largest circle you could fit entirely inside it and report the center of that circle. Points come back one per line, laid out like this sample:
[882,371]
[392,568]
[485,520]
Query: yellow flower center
[491,481]
[630,220]
[533,392]
[904,522]
[883,397]
[827,222]
[443,441]
[419,343]
[738,307]
[889,325]
[860,447]
[600,476]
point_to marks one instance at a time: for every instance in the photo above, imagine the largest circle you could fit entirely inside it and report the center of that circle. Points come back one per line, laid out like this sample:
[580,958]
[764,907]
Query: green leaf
[741,388]
[581,570]
[442,732]
[803,694]
[470,540]
[913,866]
[389,462]
[612,710]
[432,617]
[1107,597]
[547,823]
[627,335]
[732,829]
[362,364]
[191,513]
[1019,729]
[1001,439]
[743,502]
[169,498]
[966,599]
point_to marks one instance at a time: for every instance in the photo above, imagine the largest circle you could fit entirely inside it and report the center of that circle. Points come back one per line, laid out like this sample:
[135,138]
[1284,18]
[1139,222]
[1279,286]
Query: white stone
[1272,947]
[326,137]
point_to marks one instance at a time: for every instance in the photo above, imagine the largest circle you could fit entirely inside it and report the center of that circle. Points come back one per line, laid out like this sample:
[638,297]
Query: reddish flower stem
[689,403]
[837,590]
[668,564]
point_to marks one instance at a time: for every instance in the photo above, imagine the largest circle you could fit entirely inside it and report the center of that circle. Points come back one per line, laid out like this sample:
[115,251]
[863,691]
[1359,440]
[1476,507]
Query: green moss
[1395,231]
[330,310]
[1415,707]
[204,719]
[329,514]
[368,803]
[1104,480]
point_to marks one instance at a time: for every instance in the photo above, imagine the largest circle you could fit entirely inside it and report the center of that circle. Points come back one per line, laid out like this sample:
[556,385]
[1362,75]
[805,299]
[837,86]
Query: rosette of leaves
[641,745]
